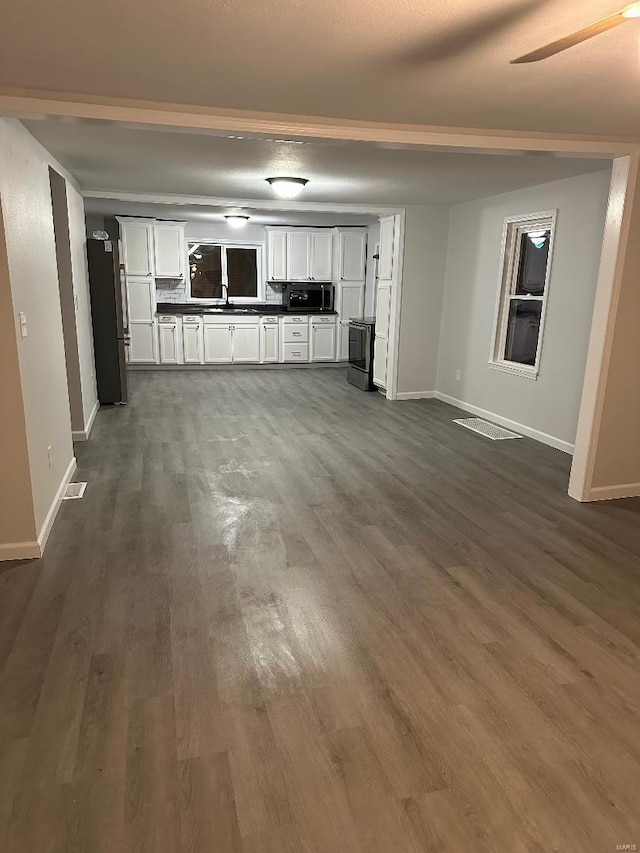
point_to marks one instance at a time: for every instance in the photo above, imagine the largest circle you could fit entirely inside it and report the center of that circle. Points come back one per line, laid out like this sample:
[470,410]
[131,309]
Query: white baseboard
[536,434]
[607,493]
[415,395]
[83,434]
[19,551]
[32,550]
[43,536]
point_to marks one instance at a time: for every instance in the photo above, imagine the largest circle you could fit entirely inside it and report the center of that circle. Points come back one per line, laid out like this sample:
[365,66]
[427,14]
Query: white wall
[550,404]
[31,256]
[78,244]
[425,250]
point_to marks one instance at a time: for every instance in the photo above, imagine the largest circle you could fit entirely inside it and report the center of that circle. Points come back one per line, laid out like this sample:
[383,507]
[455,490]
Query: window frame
[229,244]
[514,227]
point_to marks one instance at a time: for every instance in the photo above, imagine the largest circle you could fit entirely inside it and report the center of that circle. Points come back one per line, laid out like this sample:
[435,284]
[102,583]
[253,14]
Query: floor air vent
[495,433]
[74,491]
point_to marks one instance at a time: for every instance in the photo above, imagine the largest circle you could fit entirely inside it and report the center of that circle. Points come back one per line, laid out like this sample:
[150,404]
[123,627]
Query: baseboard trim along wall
[43,536]
[83,434]
[537,435]
[19,551]
[607,493]
[415,395]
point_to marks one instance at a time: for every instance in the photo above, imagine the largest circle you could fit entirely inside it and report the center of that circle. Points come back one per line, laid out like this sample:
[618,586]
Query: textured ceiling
[104,156]
[441,62]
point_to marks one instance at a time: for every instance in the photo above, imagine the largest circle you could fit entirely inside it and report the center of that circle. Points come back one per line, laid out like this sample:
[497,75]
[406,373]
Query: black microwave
[301,296]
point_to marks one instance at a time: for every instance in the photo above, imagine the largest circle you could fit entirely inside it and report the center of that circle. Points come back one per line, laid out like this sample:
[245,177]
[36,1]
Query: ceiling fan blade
[589,32]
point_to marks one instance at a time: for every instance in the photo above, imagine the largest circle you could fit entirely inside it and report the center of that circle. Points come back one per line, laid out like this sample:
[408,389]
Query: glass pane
[532,267]
[205,269]
[523,330]
[242,272]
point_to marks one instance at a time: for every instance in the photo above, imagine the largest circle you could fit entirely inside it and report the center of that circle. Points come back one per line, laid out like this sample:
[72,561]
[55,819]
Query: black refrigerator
[110,332]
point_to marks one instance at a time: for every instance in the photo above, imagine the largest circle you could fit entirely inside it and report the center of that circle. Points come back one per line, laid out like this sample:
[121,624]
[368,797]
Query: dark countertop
[258,309]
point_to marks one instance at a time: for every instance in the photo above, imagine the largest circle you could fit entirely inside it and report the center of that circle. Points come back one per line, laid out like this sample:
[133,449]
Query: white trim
[415,395]
[537,435]
[83,434]
[514,368]
[395,308]
[45,530]
[19,551]
[607,493]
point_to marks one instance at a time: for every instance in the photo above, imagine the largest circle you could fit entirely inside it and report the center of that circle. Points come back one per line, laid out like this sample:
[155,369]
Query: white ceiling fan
[601,26]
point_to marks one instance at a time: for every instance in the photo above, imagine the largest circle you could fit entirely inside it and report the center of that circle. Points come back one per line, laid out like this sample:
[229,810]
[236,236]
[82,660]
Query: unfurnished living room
[320,470]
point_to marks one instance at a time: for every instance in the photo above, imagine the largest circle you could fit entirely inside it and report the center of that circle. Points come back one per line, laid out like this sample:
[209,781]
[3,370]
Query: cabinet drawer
[269,321]
[295,334]
[297,318]
[295,352]
[165,318]
[192,321]
[318,320]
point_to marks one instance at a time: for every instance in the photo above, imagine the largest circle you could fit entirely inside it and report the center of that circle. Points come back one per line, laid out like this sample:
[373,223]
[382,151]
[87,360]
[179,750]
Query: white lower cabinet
[323,341]
[295,352]
[192,343]
[231,343]
[143,343]
[269,340]
[169,340]
[245,343]
[217,344]
[380,361]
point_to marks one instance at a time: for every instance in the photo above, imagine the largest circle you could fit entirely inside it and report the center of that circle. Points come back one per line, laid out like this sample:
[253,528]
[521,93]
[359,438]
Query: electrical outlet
[23,324]
[50,456]
[458,375]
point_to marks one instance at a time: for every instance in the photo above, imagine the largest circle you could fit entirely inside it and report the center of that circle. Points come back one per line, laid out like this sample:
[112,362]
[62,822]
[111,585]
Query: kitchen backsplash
[177,292]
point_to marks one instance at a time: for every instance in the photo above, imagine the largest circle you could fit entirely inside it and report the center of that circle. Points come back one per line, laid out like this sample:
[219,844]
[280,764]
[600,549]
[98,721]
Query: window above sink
[216,266]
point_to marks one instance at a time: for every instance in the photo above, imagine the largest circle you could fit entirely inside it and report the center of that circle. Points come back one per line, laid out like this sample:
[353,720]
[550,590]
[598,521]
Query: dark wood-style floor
[291,617]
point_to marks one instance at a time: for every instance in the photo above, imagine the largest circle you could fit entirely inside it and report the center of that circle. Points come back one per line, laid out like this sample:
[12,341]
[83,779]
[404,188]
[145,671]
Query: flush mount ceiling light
[287,187]
[632,11]
[236,220]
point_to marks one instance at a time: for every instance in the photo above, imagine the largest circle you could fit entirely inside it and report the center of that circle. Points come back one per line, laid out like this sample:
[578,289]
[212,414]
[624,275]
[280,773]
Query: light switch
[23,324]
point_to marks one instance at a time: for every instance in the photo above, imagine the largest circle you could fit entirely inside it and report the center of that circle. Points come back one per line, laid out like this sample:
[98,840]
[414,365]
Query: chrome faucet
[226,294]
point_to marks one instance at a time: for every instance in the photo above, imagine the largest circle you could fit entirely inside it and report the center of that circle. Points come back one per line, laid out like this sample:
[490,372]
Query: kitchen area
[176,294]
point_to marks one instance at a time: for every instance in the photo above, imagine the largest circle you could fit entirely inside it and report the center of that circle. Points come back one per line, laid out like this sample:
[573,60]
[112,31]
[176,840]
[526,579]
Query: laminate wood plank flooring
[292,617]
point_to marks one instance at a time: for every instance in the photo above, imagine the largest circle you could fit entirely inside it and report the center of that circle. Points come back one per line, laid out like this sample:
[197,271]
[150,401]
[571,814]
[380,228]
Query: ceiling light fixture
[287,187]
[236,220]
[632,11]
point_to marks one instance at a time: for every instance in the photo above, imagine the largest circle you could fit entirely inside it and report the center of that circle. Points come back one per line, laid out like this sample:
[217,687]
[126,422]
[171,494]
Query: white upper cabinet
[137,246]
[385,262]
[321,259]
[277,255]
[353,255]
[298,256]
[169,249]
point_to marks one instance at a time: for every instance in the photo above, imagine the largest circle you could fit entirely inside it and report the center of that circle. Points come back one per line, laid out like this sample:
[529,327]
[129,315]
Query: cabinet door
[321,257]
[277,255]
[269,343]
[141,300]
[142,346]
[137,245]
[217,344]
[350,304]
[323,343]
[380,361]
[168,338]
[246,343]
[192,344]
[383,308]
[353,256]
[169,250]
[298,254]
[385,262]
